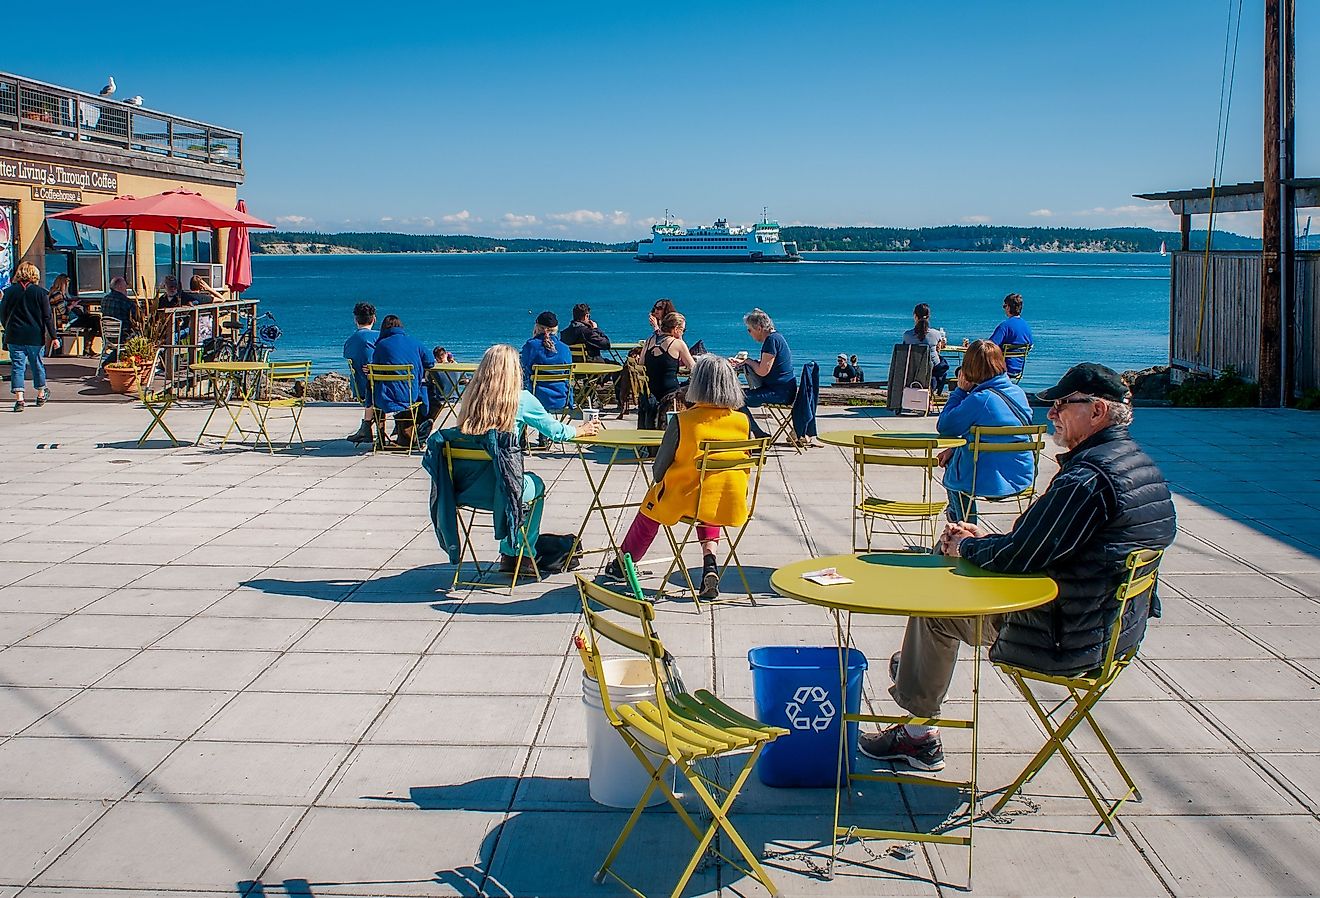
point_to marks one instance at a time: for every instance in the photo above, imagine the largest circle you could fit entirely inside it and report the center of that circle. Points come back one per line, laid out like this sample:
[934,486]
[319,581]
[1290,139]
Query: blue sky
[589,120]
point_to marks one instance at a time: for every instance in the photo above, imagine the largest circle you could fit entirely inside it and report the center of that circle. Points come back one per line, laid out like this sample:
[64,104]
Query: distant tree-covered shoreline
[955,238]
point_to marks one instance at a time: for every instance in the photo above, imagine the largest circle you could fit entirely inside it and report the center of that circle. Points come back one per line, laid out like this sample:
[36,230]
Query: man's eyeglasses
[1076,400]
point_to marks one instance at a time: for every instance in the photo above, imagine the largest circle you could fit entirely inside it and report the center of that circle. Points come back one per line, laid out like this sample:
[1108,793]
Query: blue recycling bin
[797,687]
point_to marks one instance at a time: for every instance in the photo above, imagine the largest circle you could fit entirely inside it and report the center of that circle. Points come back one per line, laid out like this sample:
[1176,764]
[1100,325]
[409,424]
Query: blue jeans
[533,486]
[780,394]
[958,504]
[19,358]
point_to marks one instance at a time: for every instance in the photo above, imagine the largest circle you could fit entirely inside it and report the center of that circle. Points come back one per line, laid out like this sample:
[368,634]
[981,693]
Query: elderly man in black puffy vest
[1107,500]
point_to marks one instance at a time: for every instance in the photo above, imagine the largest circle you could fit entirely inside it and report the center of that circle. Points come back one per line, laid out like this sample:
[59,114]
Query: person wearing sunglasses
[1107,500]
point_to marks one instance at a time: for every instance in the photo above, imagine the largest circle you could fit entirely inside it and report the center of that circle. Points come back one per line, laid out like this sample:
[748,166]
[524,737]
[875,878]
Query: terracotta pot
[123,380]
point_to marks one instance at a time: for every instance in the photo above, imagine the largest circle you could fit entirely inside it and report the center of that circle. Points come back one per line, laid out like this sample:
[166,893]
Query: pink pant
[642,533]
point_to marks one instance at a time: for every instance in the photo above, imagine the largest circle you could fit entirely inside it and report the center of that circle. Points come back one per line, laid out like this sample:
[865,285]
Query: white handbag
[916,398]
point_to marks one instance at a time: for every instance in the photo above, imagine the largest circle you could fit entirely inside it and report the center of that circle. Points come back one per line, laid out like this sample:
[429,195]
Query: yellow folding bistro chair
[677,731]
[297,376]
[716,460]
[781,419]
[158,403]
[555,374]
[397,374]
[1017,351]
[1084,691]
[462,455]
[1005,439]
[895,452]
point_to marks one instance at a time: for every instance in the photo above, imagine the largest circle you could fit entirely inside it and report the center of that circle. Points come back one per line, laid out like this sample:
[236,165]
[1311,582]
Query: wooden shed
[1214,297]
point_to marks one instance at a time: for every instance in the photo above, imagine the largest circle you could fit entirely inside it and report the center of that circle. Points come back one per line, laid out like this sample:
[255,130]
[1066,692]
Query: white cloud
[462,217]
[1040,213]
[578,216]
[976,219]
[386,218]
[294,220]
[519,221]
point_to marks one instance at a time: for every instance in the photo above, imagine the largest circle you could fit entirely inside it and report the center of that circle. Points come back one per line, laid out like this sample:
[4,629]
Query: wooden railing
[182,326]
[1224,330]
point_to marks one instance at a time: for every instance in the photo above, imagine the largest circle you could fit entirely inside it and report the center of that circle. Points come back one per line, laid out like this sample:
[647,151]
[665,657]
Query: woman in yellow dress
[714,397]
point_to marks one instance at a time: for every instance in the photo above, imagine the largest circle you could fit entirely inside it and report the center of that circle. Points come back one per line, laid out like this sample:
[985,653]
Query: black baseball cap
[1091,379]
[548,319]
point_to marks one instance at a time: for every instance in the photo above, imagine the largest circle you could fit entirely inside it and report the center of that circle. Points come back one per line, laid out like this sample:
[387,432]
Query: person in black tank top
[664,353]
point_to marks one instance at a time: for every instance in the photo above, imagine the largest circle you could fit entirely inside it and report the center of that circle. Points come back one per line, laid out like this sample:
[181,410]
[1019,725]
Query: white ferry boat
[718,243]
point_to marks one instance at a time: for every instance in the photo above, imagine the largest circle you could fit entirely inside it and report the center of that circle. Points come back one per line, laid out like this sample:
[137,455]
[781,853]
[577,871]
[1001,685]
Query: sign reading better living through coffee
[54,175]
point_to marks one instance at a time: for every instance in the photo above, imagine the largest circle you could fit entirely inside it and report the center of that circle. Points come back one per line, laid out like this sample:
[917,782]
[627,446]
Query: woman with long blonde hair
[495,400]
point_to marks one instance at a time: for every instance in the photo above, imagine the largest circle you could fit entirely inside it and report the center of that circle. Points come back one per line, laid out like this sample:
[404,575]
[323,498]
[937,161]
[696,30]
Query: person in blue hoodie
[545,348]
[395,347]
[986,397]
[359,349]
[1013,331]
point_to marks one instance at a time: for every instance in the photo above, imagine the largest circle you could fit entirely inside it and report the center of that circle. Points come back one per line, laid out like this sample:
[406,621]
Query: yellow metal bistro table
[449,377]
[909,585]
[617,440]
[234,386]
[590,374]
[845,438]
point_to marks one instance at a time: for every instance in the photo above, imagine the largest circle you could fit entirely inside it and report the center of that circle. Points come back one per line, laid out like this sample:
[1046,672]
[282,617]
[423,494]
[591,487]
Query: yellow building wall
[32,217]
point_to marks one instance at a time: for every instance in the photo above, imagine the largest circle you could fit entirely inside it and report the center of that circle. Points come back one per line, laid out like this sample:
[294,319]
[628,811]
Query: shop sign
[56,195]
[55,175]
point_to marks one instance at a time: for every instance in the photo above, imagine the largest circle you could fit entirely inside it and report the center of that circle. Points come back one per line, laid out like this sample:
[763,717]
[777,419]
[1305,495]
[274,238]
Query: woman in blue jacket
[395,347]
[545,348]
[986,397]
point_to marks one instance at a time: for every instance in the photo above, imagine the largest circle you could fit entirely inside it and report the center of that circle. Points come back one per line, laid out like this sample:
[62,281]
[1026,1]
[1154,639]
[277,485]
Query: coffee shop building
[61,148]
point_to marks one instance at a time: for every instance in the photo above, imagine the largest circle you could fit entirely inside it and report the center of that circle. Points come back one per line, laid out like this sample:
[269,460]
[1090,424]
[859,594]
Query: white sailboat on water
[1164,250]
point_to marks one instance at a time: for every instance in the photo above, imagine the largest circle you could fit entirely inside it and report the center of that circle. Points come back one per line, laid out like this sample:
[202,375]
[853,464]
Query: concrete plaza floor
[228,672]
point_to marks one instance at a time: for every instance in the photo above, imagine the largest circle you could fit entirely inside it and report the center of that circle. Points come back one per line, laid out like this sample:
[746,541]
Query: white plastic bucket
[617,778]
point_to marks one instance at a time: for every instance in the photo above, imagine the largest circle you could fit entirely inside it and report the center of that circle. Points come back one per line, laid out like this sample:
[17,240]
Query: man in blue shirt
[1013,331]
[359,349]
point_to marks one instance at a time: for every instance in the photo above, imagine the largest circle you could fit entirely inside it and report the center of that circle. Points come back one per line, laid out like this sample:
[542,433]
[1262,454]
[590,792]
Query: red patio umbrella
[238,257]
[171,212]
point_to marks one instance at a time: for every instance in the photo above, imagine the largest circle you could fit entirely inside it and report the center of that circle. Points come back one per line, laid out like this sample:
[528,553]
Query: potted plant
[131,371]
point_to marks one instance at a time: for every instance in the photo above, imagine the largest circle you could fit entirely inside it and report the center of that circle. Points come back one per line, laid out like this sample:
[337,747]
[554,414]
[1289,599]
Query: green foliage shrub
[1228,390]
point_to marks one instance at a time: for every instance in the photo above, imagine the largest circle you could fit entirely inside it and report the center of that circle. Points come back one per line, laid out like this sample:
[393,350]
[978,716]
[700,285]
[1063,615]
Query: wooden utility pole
[1287,198]
[1269,378]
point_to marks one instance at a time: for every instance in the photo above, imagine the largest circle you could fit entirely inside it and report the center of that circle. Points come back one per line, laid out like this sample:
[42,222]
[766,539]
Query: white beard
[1057,437]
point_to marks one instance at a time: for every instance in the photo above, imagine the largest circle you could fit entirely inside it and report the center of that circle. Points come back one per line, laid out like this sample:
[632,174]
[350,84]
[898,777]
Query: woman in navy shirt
[770,377]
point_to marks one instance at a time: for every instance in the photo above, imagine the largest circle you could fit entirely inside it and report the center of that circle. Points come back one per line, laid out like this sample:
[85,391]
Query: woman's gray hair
[714,382]
[759,319]
[1120,413]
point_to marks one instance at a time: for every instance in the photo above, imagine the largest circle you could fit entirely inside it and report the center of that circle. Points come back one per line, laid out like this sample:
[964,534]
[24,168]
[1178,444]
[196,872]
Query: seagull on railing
[109,89]
[134,101]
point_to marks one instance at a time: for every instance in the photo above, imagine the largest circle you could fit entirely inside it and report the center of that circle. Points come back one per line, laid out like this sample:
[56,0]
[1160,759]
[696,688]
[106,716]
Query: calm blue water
[1110,308]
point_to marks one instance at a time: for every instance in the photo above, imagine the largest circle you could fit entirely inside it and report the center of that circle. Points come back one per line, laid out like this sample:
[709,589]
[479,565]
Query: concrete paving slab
[364,851]
[459,720]
[35,832]
[50,599]
[335,672]
[236,633]
[1231,855]
[335,634]
[132,714]
[1300,773]
[1255,724]
[485,674]
[209,844]
[189,669]
[16,626]
[106,631]
[76,768]
[22,665]
[241,772]
[1239,680]
[429,777]
[297,717]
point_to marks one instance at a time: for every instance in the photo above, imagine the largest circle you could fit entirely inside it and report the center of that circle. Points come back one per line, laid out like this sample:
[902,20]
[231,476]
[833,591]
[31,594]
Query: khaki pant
[930,653]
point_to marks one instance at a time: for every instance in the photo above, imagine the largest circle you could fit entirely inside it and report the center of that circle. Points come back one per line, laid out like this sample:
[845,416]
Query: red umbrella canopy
[171,212]
[238,257]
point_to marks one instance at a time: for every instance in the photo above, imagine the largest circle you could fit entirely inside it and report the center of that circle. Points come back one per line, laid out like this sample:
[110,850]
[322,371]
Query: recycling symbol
[810,709]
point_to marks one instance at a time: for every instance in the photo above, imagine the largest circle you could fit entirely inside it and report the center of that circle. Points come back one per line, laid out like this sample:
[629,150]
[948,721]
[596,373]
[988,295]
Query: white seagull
[134,101]
[109,89]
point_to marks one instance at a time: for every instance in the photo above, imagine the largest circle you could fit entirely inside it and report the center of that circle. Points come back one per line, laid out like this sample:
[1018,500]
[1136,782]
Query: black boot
[363,434]
[710,578]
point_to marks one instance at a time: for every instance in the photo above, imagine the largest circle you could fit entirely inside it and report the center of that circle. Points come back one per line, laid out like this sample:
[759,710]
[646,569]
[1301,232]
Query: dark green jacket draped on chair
[494,487]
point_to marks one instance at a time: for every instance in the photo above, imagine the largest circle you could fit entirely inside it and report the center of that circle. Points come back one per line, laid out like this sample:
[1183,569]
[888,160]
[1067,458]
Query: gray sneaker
[894,744]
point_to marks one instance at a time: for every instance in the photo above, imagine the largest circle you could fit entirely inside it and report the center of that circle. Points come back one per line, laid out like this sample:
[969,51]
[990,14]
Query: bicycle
[254,341]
